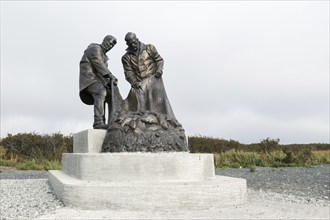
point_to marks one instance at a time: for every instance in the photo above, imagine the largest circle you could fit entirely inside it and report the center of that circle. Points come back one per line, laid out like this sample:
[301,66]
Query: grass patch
[33,164]
[253,168]
[7,163]
[321,157]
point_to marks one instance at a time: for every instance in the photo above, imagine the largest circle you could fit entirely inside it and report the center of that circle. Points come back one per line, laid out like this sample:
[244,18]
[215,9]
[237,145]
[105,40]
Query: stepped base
[172,181]
[148,195]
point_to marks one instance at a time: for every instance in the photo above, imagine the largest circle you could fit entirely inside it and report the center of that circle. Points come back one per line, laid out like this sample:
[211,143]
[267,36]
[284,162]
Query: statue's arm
[129,73]
[157,58]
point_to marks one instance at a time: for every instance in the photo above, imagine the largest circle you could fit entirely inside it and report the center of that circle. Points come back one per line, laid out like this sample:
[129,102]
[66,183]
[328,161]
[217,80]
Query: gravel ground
[250,210]
[20,174]
[273,193]
[311,183]
[26,198]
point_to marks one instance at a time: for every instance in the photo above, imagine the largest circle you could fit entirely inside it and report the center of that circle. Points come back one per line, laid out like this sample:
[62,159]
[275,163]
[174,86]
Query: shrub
[3,152]
[53,165]
[29,165]
[35,151]
[36,146]
[233,158]
[253,168]
[39,165]
[299,157]
[320,157]
[269,144]
[7,163]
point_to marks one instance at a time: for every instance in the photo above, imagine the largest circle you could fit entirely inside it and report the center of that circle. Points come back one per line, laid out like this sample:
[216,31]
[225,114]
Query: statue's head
[132,41]
[108,42]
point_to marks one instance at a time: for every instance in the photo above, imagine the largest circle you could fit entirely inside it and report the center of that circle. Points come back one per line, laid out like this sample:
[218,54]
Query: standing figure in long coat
[143,67]
[96,79]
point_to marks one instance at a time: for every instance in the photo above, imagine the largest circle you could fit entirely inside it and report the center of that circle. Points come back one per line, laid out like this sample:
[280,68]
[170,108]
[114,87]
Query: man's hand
[114,80]
[106,81]
[108,78]
[158,74]
[136,85]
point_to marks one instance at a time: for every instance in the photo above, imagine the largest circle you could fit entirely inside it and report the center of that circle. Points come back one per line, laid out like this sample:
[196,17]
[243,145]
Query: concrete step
[148,195]
[139,166]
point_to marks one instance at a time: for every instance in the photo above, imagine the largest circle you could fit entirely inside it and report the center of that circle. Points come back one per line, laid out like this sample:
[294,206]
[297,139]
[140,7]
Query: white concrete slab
[148,195]
[139,166]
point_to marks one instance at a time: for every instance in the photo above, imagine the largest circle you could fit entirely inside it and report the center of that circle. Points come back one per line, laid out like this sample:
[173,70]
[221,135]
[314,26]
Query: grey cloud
[240,70]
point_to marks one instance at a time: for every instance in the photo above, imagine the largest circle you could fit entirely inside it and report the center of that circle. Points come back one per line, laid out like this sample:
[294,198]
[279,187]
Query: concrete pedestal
[89,141]
[140,181]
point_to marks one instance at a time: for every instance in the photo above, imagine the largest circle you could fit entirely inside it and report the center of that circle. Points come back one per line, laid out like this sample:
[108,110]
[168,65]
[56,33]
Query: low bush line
[32,151]
[238,159]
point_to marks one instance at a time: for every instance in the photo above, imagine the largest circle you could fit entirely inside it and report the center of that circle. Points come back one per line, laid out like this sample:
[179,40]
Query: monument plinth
[140,181]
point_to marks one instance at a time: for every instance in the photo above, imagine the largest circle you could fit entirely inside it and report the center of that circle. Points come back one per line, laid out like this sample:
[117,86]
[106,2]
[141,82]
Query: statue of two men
[143,68]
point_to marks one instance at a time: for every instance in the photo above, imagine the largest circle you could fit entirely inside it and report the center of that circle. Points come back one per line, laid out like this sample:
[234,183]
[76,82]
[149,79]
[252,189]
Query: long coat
[93,67]
[140,67]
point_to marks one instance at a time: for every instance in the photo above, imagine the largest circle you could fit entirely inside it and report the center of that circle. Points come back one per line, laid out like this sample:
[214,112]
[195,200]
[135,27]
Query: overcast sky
[241,70]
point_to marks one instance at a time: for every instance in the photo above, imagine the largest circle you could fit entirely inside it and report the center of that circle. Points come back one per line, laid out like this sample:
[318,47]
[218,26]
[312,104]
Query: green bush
[320,157]
[277,158]
[299,157]
[53,165]
[36,146]
[202,144]
[29,165]
[268,152]
[233,158]
[7,163]
[38,165]
[269,144]
[252,168]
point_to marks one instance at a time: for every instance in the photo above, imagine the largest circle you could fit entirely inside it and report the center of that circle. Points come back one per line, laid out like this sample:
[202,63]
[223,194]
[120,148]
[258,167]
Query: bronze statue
[143,68]
[96,79]
[144,121]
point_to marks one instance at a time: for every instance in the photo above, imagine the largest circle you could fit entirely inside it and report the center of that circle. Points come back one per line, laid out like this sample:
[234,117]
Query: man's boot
[99,123]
